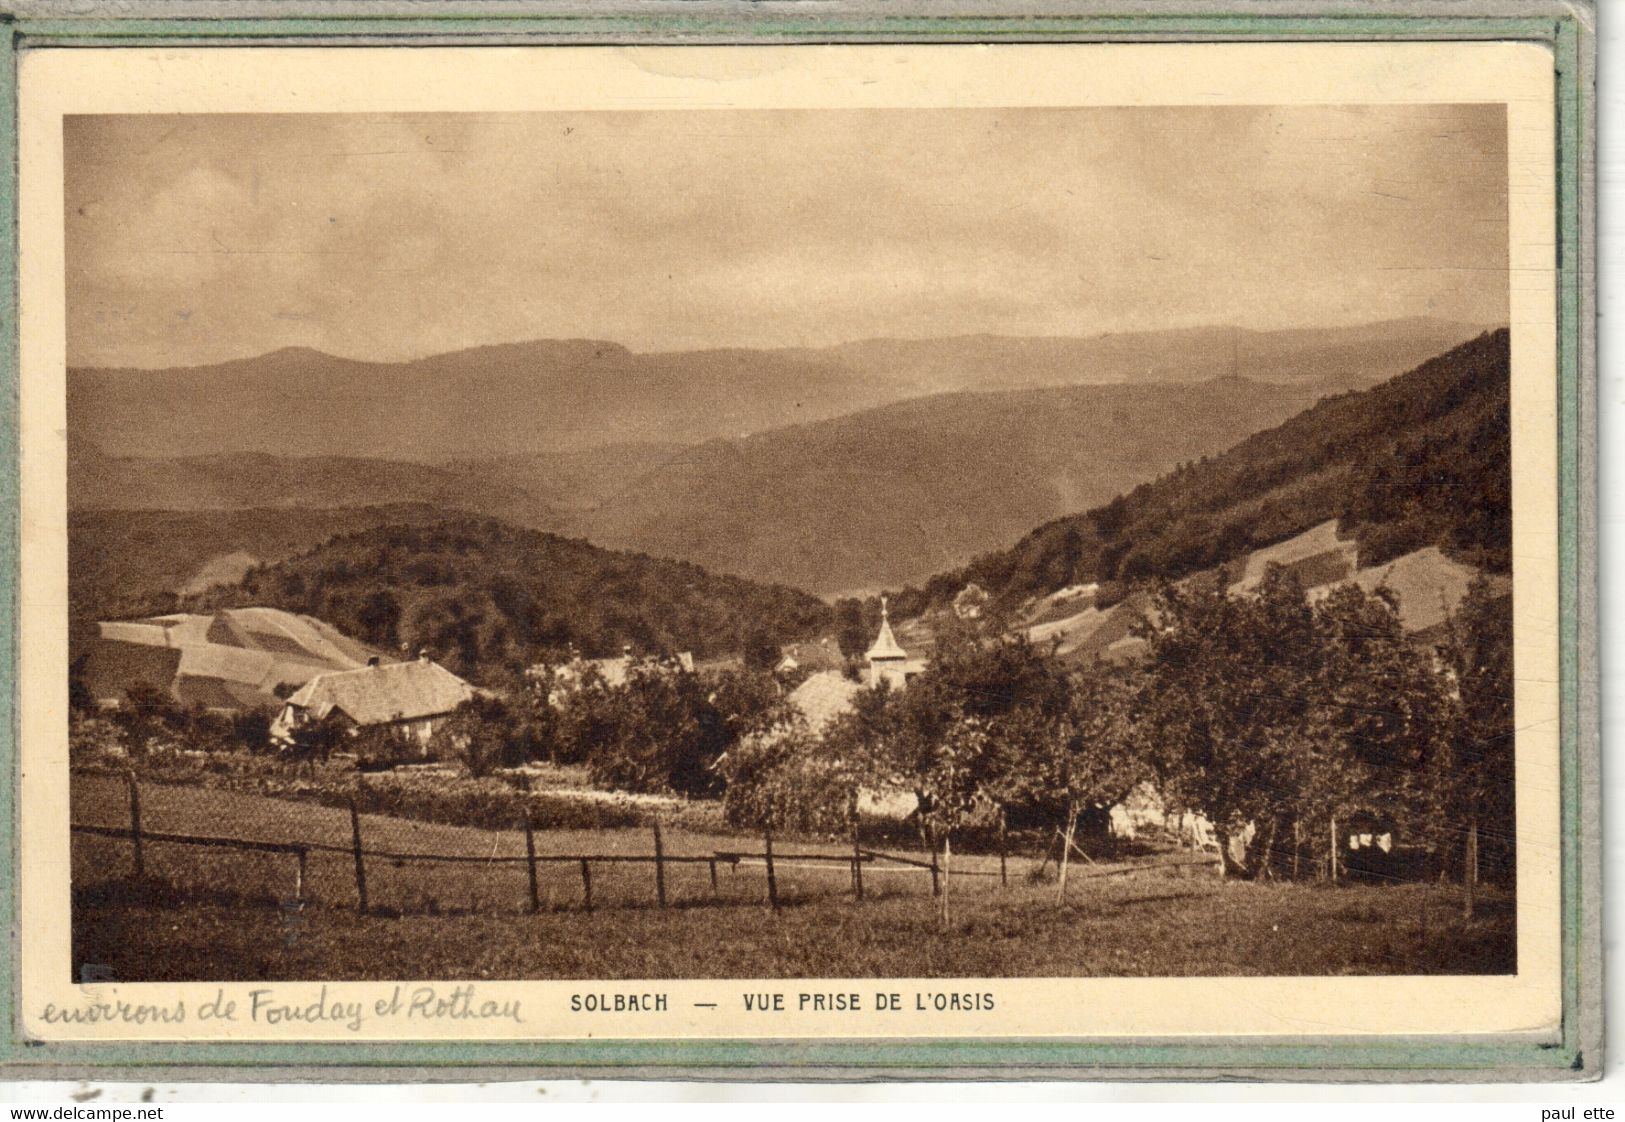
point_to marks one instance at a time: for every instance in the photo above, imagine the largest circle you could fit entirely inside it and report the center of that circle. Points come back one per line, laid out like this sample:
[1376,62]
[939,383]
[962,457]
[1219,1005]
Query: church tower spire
[887,660]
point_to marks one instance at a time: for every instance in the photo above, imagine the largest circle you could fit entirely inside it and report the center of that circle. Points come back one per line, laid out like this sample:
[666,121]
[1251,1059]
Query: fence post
[772,883]
[360,866]
[586,884]
[660,868]
[530,861]
[135,826]
[857,863]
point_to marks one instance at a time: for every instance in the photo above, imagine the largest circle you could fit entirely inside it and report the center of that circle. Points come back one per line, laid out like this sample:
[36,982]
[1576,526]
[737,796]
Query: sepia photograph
[640,545]
[1055,594]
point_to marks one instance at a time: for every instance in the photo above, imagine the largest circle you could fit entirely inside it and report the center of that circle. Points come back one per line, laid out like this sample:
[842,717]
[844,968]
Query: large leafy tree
[785,778]
[1385,711]
[1086,758]
[313,741]
[1473,778]
[1273,715]
[482,734]
[661,728]
[658,732]
[1228,706]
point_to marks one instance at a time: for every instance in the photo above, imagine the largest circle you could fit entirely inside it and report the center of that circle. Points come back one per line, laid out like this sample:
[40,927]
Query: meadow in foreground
[1145,924]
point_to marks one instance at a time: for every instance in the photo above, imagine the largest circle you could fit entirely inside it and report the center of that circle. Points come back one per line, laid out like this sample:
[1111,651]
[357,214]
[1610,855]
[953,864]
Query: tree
[1383,710]
[80,699]
[1085,758]
[750,703]
[379,617]
[655,732]
[149,718]
[1269,713]
[314,741]
[252,729]
[761,652]
[964,733]
[783,779]
[480,734]
[858,745]
[851,632]
[950,788]
[1228,706]
[585,720]
[1473,777]
[1007,686]
[535,729]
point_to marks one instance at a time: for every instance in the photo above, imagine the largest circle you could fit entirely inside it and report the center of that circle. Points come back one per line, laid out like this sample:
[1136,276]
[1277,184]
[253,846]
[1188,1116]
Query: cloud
[206,237]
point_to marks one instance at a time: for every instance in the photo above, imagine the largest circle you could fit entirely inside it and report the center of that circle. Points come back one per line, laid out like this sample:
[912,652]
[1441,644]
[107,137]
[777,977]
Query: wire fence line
[603,876]
[234,847]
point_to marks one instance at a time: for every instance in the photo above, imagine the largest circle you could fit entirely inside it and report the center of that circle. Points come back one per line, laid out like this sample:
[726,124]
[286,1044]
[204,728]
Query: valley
[796,482]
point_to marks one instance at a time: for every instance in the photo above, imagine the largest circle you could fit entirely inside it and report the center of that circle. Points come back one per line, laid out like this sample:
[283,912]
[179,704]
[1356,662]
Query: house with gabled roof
[230,660]
[410,699]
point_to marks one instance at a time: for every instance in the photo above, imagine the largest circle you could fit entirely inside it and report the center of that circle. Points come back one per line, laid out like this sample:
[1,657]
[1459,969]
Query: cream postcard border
[57,82]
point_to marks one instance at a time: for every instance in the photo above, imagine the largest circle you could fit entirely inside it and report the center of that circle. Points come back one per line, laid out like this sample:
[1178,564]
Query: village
[946,623]
[1032,746]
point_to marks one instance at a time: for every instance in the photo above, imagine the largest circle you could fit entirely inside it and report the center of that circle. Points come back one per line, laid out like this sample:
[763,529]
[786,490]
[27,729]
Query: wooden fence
[857,860]
[360,854]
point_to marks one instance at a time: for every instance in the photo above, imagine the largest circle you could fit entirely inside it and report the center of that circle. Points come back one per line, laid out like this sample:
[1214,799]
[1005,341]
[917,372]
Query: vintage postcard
[790,542]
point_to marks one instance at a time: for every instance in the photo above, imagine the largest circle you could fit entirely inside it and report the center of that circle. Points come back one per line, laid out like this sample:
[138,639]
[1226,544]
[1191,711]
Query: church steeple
[886,658]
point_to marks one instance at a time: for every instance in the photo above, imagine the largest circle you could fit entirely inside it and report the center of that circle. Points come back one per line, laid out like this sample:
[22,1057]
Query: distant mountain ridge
[246,480]
[553,396]
[876,497]
[883,496]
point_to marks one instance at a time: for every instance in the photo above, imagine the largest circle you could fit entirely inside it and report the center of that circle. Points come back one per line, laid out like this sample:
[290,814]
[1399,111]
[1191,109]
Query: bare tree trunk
[1469,871]
[1266,860]
[947,869]
[1331,854]
[1473,852]
[1066,846]
[1297,846]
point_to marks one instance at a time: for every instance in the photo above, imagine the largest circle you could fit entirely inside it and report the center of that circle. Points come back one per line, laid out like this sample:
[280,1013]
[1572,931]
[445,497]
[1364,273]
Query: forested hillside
[892,495]
[1423,459]
[124,563]
[482,596]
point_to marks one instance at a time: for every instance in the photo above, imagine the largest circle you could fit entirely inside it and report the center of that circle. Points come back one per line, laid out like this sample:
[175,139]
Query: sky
[201,238]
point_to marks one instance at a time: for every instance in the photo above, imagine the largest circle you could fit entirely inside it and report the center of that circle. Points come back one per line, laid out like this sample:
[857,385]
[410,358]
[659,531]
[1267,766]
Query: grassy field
[206,914]
[1122,926]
